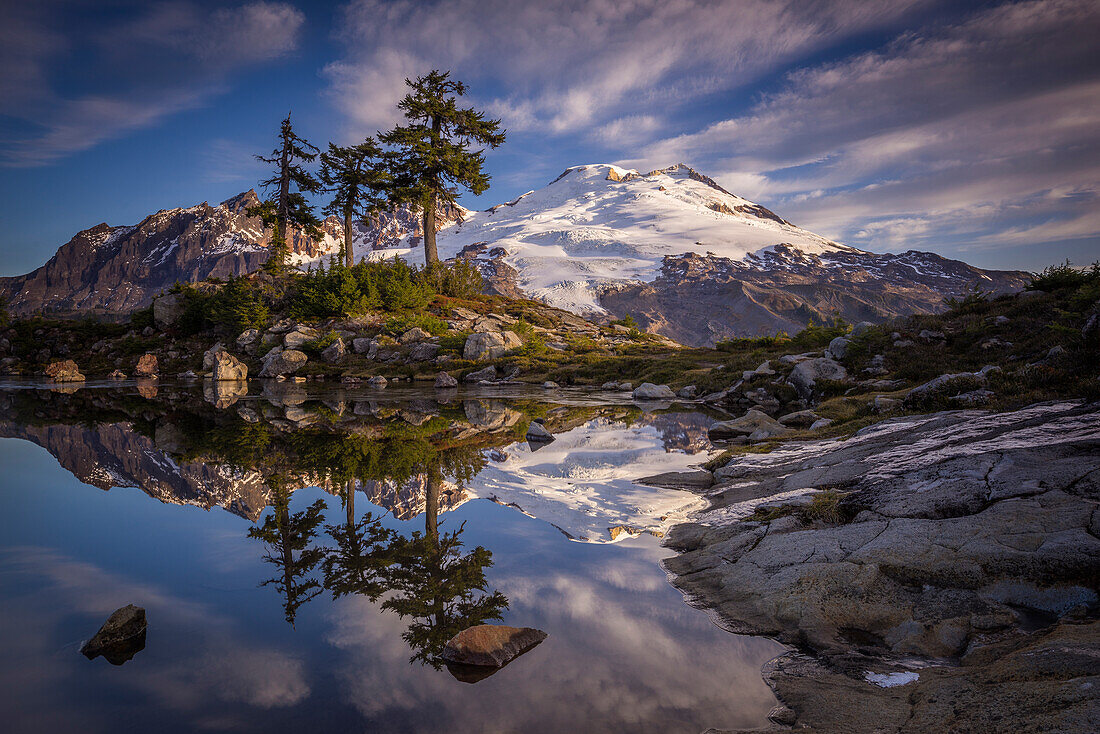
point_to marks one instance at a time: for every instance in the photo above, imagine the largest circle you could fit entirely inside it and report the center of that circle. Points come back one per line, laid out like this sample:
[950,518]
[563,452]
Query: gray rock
[415,334]
[931,336]
[806,373]
[485,345]
[903,343]
[168,309]
[972,399]
[537,432]
[649,391]
[334,352]
[423,352]
[626,386]
[378,381]
[283,362]
[248,338]
[800,419]
[942,386]
[444,380]
[687,392]
[488,373]
[551,385]
[299,336]
[884,405]
[838,347]
[860,329]
[223,393]
[752,423]
[822,423]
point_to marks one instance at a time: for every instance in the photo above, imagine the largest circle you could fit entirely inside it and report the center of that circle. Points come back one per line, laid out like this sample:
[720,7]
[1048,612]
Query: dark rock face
[120,638]
[115,270]
[491,645]
[699,300]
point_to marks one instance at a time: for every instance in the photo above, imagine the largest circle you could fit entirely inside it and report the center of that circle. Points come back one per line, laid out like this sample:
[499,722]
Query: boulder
[248,338]
[800,419]
[942,386]
[186,375]
[491,645]
[168,309]
[550,385]
[146,366]
[64,371]
[649,391]
[283,362]
[687,392]
[362,345]
[117,375]
[972,399]
[488,373]
[334,352]
[860,329]
[301,334]
[537,432]
[931,336]
[822,423]
[805,374]
[883,404]
[423,352]
[485,345]
[209,354]
[227,368]
[839,347]
[415,334]
[120,637]
[378,381]
[444,380]
[753,423]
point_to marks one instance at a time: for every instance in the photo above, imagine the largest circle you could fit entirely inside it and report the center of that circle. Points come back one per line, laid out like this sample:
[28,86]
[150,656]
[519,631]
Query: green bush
[1063,277]
[458,280]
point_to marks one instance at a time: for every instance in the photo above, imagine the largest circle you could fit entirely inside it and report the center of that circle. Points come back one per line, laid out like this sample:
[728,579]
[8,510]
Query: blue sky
[968,129]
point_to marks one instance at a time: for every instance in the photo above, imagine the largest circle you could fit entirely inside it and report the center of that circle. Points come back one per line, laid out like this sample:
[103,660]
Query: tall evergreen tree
[433,155]
[357,180]
[287,207]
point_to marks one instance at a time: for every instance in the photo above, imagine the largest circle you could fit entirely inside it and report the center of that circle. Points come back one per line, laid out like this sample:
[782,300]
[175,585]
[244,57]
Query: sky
[967,129]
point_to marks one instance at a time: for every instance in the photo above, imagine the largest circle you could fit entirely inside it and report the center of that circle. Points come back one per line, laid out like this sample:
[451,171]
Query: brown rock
[146,366]
[492,645]
[65,371]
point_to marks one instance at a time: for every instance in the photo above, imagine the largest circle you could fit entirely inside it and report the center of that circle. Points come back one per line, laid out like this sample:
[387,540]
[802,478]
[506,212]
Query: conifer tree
[287,207]
[357,181]
[433,155]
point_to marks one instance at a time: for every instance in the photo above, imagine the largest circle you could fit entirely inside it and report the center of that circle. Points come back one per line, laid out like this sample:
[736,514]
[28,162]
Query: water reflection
[360,516]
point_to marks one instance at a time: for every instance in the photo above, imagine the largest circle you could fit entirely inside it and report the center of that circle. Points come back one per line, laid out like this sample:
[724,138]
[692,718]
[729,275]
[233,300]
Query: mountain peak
[237,204]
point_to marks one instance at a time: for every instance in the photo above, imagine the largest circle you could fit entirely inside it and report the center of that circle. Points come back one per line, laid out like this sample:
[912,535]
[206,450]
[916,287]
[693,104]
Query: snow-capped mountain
[670,247]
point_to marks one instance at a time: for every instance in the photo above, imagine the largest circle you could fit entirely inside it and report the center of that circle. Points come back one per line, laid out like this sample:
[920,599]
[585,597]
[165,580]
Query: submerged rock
[120,638]
[491,645]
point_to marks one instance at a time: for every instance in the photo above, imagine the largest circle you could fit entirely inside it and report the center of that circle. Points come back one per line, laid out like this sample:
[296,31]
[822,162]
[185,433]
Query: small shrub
[1063,277]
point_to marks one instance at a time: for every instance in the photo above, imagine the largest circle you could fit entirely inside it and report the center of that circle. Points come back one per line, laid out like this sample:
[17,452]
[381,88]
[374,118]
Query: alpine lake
[304,552]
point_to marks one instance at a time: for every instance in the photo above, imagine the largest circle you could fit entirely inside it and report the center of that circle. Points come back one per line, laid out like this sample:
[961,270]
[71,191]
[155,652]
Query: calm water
[186,504]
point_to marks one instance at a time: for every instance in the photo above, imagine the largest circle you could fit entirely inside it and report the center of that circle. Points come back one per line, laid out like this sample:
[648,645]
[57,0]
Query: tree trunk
[349,257]
[349,490]
[431,507]
[431,254]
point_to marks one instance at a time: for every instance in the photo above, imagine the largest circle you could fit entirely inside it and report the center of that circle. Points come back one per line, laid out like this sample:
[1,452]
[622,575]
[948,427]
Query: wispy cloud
[570,65]
[154,62]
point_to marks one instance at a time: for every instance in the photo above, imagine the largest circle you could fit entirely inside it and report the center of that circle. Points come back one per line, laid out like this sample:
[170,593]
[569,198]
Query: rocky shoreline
[934,572]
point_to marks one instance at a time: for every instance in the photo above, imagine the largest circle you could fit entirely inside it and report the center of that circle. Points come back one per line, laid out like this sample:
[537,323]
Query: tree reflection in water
[426,578]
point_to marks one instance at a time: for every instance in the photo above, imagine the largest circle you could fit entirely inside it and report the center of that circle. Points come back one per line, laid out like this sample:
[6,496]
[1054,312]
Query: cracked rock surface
[959,571]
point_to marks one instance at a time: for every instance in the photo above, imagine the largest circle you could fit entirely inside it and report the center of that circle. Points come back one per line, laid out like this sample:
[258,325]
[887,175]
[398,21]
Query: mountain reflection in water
[420,562]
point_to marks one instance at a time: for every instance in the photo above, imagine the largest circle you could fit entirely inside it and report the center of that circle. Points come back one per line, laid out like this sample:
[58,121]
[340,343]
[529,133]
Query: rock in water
[65,371]
[146,366]
[491,645]
[286,362]
[120,638]
[444,380]
[228,368]
[649,391]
